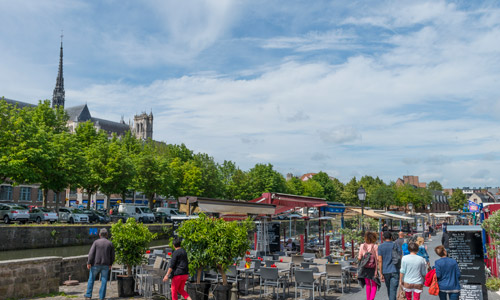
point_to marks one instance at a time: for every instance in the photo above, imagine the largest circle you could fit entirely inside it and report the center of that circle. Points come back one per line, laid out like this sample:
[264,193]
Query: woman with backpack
[367,268]
[412,273]
[422,251]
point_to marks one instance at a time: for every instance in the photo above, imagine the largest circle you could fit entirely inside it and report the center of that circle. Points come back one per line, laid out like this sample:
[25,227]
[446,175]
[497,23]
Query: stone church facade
[31,194]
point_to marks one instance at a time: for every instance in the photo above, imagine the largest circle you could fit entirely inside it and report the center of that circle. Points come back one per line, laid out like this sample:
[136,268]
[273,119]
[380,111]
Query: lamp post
[410,207]
[362,198]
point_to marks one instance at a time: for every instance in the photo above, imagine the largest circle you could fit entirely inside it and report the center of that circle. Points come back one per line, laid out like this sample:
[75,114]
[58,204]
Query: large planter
[125,286]
[198,291]
[223,292]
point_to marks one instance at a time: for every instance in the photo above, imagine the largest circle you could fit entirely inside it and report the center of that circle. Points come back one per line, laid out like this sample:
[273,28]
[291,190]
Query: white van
[140,213]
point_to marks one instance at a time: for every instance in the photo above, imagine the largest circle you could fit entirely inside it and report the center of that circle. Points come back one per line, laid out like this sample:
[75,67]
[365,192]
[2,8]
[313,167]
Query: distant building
[411,180]
[439,202]
[482,197]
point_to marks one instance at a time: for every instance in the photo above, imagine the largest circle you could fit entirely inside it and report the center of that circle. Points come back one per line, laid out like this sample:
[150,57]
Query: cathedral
[141,128]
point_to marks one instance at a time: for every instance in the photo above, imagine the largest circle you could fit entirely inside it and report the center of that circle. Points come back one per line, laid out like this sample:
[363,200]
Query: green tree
[457,200]
[435,186]
[406,194]
[41,156]
[263,179]
[383,197]
[295,186]
[312,188]
[152,173]
[349,194]
[330,192]
[90,141]
[211,181]
[239,187]
[116,168]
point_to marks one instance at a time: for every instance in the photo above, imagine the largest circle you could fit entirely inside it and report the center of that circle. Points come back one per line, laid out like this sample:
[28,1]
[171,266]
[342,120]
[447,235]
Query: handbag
[434,287]
[401,293]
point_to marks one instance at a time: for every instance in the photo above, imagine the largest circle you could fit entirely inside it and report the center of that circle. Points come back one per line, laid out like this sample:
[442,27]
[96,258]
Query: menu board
[466,247]
[471,292]
[273,232]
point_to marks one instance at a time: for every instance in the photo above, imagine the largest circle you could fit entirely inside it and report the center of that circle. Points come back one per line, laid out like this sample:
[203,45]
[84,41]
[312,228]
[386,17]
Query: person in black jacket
[178,271]
[445,241]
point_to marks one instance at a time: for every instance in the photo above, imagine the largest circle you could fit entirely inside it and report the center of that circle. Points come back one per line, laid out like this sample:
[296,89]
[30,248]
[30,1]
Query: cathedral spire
[58,95]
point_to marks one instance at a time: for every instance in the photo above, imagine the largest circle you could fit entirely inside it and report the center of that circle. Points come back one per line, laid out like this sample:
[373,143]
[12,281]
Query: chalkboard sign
[273,231]
[471,292]
[466,248]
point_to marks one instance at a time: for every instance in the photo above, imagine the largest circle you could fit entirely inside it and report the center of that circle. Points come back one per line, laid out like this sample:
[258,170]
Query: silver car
[72,215]
[41,214]
[13,213]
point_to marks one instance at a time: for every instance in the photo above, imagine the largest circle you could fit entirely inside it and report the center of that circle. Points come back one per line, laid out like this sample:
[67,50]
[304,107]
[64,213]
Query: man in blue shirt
[389,271]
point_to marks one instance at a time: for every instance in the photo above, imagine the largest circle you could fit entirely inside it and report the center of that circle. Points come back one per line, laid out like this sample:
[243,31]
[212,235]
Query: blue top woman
[448,275]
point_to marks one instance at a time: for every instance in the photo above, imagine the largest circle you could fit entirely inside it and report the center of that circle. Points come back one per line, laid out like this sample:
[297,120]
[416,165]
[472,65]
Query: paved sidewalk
[76,292]
[382,293]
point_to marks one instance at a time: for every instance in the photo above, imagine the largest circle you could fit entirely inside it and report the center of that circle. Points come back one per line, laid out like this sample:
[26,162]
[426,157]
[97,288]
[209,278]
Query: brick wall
[23,278]
[33,237]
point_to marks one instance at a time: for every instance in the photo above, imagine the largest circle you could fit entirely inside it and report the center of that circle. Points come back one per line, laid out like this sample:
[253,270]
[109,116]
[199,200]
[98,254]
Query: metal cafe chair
[334,274]
[304,280]
[270,277]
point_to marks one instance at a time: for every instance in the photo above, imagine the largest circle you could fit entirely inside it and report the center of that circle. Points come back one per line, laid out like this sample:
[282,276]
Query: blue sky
[383,88]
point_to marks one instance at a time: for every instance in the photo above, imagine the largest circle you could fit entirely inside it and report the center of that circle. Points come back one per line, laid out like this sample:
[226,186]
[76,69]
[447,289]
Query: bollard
[234,291]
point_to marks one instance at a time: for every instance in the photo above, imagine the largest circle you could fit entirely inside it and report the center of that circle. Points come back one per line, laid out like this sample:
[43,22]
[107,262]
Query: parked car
[96,216]
[120,216]
[13,212]
[72,215]
[161,217]
[42,214]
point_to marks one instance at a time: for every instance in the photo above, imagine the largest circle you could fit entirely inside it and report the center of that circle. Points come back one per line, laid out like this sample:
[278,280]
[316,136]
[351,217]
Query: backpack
[368,260]
[396,256]
[405,249]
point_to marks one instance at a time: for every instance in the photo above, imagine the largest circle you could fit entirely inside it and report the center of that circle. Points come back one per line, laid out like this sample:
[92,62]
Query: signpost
[466,248]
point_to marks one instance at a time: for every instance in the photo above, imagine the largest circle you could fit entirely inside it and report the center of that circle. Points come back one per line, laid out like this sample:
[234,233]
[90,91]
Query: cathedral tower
[58,95]
[143,126]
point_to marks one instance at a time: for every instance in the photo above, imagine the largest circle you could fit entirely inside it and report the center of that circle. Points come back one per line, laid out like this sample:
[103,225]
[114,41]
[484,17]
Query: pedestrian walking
[412,273]
[178,271]
[422,249]
[448,275]
[445,241]
[401,240]
[368,271]
[389,254]
[100,260]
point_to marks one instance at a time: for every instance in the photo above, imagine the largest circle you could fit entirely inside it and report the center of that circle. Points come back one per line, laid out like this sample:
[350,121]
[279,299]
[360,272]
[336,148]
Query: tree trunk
[44,197]
[108,201]
[224,276]
[198,276]
[150,200]
[89,196]
[58,194]
[129,270]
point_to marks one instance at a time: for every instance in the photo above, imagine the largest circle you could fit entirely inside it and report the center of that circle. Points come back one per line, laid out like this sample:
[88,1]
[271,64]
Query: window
[5,192]
[39,198]
[55,197]
[25,194]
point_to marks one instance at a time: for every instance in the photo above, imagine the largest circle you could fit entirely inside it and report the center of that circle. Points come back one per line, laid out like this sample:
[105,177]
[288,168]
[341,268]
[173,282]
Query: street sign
[473,207]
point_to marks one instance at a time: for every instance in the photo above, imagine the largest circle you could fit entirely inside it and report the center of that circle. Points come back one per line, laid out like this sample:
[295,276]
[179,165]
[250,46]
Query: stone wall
[47,236]
[76,266]
[23,278]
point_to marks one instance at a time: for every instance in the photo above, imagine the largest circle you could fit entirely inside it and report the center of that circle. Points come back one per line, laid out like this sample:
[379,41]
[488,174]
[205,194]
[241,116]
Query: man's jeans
[94,270]
[391,282]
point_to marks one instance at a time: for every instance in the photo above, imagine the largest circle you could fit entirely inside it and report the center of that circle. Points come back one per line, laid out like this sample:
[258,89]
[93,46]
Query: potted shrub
[130,240]
[196,235]
[230,241]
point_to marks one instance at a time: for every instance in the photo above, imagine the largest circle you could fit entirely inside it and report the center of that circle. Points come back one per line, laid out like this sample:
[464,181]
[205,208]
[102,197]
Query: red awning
[286,202]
